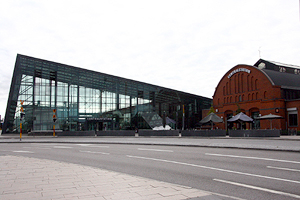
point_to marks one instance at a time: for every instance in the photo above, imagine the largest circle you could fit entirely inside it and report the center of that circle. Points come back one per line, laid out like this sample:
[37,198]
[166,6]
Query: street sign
[54,118]
[22,115]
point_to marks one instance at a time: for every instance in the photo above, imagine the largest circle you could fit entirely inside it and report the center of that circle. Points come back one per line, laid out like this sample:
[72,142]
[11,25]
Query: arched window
[230,99]
[249,97]
[224,100]
[265,94]
[227,88]
[248,83]
[235,86]
[242,83]
[256,84]
[252,96]
[239,84]
[230,86]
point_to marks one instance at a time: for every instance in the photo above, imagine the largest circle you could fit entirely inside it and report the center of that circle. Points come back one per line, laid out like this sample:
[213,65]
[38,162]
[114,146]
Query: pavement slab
[32,178]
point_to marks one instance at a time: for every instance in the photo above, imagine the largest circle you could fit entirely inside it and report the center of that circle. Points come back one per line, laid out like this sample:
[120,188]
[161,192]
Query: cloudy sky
[185,45]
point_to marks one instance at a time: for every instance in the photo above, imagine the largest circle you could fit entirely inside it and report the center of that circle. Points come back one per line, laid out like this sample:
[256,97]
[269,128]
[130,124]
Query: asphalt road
[228,173]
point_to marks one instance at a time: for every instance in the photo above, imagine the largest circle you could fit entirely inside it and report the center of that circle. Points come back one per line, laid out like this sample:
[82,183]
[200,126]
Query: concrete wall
[116,133]
[76,133]
[254,133]
[203,133]
[158,133]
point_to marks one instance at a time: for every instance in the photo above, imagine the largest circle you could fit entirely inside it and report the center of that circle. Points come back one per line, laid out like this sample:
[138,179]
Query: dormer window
[282,69]
[262,66]
[297,71]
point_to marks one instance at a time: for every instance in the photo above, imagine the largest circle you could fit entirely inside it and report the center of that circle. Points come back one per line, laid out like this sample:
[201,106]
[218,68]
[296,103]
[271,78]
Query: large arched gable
[242,83]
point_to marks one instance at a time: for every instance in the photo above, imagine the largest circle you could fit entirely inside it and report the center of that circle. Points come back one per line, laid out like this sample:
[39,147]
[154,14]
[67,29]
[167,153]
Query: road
[227,173]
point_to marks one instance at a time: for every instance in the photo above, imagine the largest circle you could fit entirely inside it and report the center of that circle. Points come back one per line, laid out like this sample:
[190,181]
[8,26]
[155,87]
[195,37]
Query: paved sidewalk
[283,143]
[32,178]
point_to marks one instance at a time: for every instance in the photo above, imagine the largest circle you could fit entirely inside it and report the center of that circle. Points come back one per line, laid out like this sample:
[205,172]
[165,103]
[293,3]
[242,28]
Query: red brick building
[267,87]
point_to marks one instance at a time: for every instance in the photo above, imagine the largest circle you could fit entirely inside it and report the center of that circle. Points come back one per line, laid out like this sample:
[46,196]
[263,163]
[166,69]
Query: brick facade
[250,90]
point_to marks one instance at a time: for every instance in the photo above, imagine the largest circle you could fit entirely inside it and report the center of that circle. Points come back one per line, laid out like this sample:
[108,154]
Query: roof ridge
[283,64]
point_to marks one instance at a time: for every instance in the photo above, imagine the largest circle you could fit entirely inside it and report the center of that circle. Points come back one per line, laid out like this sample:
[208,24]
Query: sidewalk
[283,143]
[32,178]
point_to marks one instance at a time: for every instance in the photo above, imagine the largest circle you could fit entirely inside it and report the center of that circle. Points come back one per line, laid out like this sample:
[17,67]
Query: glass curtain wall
[88,100]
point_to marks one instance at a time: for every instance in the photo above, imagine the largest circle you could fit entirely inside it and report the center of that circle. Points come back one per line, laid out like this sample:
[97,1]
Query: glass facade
[89,100]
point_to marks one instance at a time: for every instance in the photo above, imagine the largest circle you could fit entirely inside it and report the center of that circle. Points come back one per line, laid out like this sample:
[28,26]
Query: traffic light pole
[21,130]
[21,117]
[54,120]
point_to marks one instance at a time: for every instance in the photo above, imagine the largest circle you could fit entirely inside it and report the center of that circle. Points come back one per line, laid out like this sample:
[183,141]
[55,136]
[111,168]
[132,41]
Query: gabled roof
[212,117]
[284,75]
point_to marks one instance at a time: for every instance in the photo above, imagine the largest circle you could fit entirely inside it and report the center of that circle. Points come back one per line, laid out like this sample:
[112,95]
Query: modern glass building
[88,100]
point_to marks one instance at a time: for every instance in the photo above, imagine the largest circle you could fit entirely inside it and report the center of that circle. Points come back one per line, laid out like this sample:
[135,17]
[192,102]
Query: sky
[186,45]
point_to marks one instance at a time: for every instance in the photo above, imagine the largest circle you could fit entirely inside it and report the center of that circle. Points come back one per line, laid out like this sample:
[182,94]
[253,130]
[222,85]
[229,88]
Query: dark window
[293,120]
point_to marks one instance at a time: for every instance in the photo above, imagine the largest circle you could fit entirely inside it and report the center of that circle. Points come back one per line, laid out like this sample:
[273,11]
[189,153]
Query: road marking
[287,169]
[22,151]
[100,146]
[90,145]
[84,144]
[95,152]
[141,149]
[213,168]
[62,147]
[259,188]
[256,158]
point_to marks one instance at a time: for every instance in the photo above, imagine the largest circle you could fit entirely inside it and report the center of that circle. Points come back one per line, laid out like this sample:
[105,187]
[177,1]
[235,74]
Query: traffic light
[22,113]
[54,115]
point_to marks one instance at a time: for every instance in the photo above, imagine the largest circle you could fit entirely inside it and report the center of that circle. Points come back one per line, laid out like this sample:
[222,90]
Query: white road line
[92,145]
[287,169]
[259,188]
[213,168]
[141,149]
[95,152]
[256,158]
[99,146]
[22,151]
[84,144]
[62,147]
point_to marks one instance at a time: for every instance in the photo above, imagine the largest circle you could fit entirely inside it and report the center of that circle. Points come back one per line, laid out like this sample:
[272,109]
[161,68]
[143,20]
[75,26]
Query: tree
[238,109]
[211,110]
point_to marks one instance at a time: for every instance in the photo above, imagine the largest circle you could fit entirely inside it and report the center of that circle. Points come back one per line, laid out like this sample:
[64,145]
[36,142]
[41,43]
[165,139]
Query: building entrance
[98,124]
